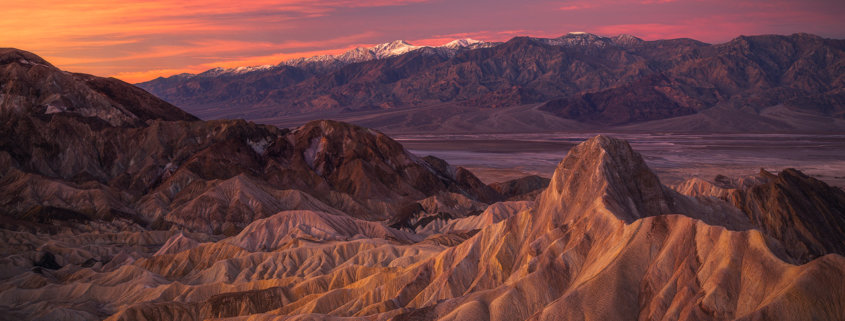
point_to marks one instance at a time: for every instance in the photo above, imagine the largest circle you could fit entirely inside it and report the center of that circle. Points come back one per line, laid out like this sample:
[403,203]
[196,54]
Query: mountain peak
[462,43]
[396,43]
[576,39]
[393,48]
[108,99]
[606,171]
[626,39]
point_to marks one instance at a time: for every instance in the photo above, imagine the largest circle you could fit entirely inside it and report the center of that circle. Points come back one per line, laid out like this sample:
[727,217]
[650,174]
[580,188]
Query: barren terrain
[674,157]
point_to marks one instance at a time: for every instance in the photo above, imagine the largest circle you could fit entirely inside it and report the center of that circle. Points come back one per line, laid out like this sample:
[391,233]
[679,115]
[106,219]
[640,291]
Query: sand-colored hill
[605,241]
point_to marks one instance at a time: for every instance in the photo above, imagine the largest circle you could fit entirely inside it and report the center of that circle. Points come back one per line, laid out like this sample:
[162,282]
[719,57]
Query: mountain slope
[95,148]
[243,86]
[604,241]
[32,85]
[594,80]
[790,206]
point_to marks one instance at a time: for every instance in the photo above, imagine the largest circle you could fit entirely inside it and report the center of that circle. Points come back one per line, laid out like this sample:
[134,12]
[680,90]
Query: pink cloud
[142,37]
[579,6]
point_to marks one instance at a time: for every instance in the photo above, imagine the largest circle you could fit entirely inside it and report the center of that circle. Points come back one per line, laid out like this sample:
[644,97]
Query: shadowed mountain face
[582,77]
[115,212]
[31,85]
[96,148]
[796,209]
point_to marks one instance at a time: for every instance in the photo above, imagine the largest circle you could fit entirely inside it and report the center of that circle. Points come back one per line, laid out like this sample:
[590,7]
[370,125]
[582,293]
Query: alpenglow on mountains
[757,83]
[360,54]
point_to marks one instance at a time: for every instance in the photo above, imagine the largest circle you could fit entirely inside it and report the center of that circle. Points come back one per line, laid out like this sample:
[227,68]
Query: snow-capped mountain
[324,63]
[382,51]
[360,54]
[214,72]
[464,43]
[578,76]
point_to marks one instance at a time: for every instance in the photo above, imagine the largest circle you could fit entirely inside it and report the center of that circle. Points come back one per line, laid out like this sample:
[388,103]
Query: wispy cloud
[578,6]
[141,39]
[94,35]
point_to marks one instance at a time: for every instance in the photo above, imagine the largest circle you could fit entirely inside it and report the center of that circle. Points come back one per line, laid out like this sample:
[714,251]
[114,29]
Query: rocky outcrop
[79,148]
[806,215]
[609,170]
[604,241]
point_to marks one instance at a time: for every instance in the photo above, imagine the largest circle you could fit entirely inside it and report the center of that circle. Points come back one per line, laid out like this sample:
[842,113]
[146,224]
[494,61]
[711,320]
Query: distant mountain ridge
[593,80]
[360,54]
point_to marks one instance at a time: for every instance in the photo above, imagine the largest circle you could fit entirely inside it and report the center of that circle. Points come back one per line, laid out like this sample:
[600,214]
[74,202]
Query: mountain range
[578,80]
[117,205]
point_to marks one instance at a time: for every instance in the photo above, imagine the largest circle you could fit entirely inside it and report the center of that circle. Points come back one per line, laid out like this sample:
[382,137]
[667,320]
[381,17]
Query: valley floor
[674,157]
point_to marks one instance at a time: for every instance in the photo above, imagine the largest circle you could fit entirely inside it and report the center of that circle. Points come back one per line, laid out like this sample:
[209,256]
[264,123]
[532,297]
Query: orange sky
[141,40]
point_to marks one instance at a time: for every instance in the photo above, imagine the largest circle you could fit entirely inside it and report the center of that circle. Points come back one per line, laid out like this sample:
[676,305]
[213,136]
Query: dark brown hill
[30,85]
[81,147]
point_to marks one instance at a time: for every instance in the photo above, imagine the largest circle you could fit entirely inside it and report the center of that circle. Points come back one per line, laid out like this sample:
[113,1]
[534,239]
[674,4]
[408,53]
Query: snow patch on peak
[359,54]
[462,43]
[393,48]
[241,70]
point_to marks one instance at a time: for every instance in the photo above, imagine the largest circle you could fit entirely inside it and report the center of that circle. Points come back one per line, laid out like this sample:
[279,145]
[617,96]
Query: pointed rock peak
[606,169]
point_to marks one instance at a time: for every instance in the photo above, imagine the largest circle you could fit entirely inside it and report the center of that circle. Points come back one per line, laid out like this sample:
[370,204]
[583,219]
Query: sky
[141,40]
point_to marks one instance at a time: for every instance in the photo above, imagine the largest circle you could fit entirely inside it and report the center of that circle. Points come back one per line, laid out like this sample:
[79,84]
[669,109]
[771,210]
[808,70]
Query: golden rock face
[604,241]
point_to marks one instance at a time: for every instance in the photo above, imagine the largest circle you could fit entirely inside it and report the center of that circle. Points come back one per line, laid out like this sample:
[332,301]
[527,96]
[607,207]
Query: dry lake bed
[674,157]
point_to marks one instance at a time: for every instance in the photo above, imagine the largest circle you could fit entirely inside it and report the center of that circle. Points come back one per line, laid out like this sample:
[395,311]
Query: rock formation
[123,214]
[802,212]
[111,150]
[603,241]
